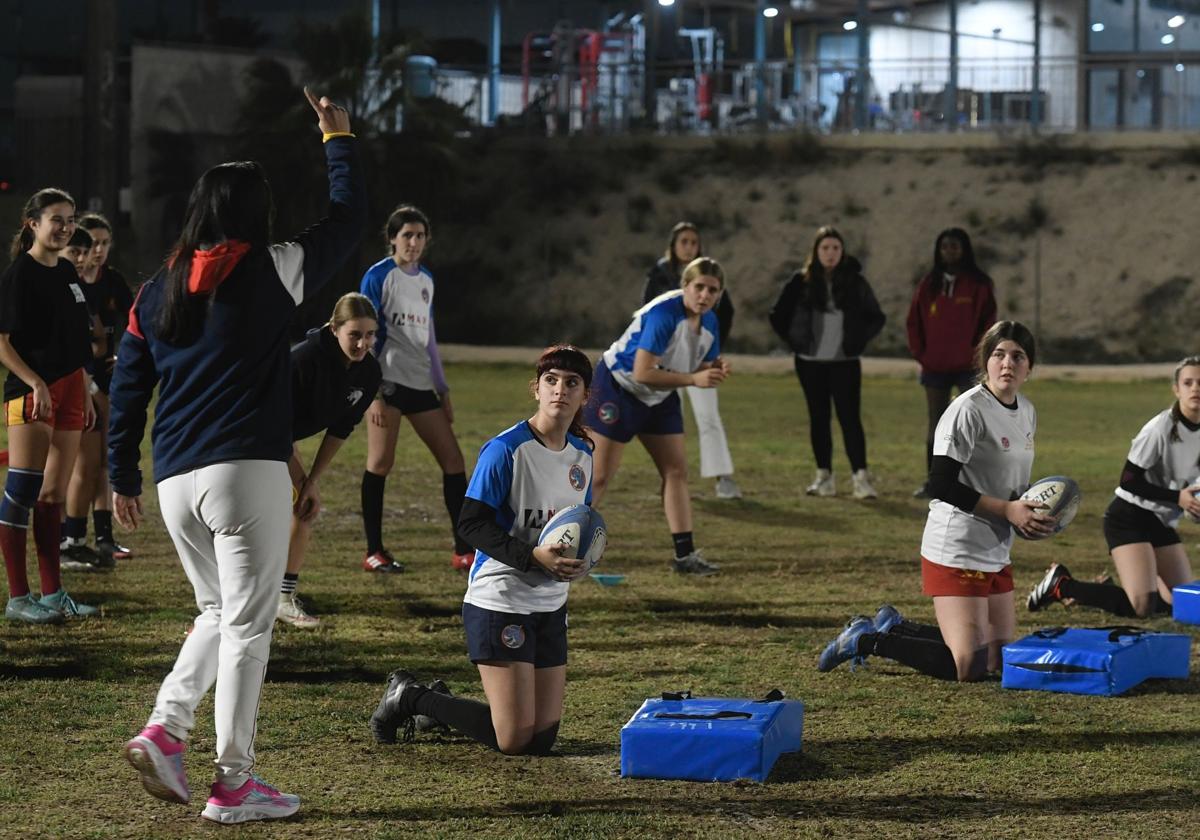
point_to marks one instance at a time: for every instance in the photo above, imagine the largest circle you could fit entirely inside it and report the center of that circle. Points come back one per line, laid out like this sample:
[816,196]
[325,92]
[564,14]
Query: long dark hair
[819,284]
[231,201]
[1176,411]
[1003,331]
[22,241]
[679,228]
[967,263]
[567,357]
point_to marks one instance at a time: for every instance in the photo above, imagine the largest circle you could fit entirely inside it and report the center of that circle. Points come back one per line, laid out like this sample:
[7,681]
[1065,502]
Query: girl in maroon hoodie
[951,309]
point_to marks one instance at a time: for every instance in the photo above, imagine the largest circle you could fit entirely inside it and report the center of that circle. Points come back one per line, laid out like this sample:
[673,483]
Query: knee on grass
[527,742]
[1145,604]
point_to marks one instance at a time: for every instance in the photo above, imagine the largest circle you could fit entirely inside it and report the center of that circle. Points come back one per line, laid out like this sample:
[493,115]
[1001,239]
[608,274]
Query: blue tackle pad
[1104,661]
[1186,606]
[710,739]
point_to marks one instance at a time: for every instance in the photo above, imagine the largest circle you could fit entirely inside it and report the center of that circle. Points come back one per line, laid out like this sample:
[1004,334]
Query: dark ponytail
[231,201]
[568,357]
[22,241]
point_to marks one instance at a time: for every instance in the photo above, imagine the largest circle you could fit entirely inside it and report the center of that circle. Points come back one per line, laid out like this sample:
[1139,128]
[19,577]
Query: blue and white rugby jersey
[405,306]
[660,327]
[526,483]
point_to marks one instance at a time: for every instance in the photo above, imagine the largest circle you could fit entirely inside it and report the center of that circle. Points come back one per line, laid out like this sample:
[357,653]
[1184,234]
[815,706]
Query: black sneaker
[388,716]
[79,556]
[118,551]
[1046,592]
[424,723]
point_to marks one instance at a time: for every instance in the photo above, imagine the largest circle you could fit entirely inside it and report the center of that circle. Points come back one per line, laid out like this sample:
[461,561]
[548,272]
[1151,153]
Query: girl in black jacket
[827,313]
[715,460]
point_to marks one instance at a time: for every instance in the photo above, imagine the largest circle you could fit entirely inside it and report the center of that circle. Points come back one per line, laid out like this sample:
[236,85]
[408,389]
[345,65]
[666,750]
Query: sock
[1102,595]
[372,510]
[47,535]
[925,655]
[289,583]
[917,631]
[454,488]
[75,527]
[21,489]
[12,543]
[470,717]
[102,524]
[683,543]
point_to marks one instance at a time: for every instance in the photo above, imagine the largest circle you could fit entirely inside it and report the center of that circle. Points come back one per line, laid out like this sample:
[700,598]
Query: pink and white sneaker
[159,758]
[255,800]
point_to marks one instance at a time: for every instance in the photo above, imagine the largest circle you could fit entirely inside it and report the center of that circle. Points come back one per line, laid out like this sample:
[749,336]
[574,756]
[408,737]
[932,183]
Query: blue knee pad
[20,493]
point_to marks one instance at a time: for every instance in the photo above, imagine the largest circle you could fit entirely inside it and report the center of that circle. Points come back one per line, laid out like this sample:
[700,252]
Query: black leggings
[841,381]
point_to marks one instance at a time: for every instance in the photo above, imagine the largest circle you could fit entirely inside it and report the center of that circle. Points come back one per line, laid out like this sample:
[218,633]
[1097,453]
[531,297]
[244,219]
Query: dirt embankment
[1087,238]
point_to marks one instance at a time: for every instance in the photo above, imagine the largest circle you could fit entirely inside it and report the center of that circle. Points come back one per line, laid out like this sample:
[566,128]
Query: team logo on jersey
[608,413]
[386,389]
[354,396]
[575,476]
[512,636]
[1004,442]
[425,296]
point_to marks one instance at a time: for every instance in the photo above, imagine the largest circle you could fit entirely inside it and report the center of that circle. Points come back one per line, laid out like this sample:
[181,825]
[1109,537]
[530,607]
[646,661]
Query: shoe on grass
[78,556]
[388,717]
[861,483]
[1046,591]
[382,561]
[25,609]
[845,647]
[695,564]
[66,605]
[886,618]
[823,484]
[291,611]
[159,758]
[727,488]
[255,800]
[424,723]
[113,548]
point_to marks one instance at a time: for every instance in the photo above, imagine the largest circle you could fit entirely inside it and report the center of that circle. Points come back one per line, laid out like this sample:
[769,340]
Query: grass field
[886,753]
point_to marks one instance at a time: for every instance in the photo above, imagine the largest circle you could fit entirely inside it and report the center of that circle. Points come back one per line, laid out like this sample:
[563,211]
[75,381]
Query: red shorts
[937,579]
[66,397]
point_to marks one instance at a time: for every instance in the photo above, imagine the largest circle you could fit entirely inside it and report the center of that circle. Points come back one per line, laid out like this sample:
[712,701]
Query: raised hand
[330,117]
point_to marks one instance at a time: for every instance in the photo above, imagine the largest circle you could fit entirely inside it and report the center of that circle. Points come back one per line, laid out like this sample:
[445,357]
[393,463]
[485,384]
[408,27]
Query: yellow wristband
[329,135]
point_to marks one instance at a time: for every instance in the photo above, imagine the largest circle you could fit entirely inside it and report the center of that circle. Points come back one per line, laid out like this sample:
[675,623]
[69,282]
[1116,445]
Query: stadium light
[770,12]
[1179,68]
[1167,39]
[665,3]
[850,25]
[1097,27]
[1176,22]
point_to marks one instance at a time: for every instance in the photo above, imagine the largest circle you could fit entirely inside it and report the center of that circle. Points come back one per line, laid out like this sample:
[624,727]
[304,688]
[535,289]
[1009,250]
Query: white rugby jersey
[405,306]
[995,446]
[1168,463]
[526,483]
[661,327]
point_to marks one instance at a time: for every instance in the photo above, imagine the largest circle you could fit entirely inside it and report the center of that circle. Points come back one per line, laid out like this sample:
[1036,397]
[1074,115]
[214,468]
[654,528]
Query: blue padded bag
[1186,606]
[709,739]
[1101,661]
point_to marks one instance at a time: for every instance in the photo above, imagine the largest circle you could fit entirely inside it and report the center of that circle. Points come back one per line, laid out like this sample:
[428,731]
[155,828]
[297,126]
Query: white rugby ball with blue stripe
[1058,498]
[582,531]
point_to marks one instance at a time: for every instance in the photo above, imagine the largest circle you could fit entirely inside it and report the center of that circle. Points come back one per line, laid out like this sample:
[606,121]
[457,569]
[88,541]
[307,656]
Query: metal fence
[902,95]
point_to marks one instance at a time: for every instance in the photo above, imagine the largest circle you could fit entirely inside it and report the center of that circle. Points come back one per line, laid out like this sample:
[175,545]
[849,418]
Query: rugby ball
[582,531]
[1059,498]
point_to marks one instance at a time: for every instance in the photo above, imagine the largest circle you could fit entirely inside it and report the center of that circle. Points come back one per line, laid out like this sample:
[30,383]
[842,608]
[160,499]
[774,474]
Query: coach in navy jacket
[210,330]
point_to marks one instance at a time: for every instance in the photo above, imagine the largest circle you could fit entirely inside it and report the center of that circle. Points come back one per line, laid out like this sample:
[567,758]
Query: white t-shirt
[405,305]
[1168,463]
[526,483]
[995,446]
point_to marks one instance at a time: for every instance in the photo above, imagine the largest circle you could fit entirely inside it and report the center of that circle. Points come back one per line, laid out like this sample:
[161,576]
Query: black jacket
[325,393]
[792,316]
[662,278]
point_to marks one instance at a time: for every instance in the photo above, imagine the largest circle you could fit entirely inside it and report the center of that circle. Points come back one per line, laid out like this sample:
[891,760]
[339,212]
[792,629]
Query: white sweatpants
[230,525]
[715,459]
